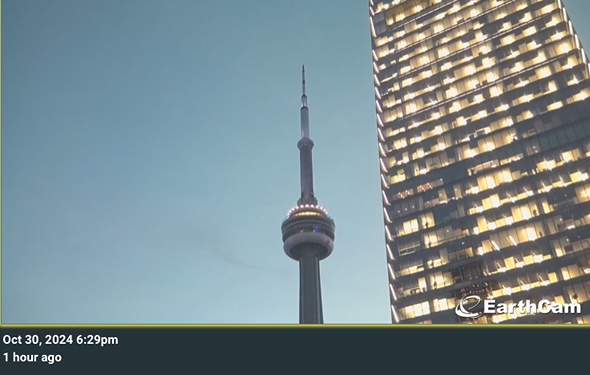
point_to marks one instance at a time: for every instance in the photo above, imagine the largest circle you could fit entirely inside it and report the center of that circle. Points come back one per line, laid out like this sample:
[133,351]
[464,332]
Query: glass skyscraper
[484,141]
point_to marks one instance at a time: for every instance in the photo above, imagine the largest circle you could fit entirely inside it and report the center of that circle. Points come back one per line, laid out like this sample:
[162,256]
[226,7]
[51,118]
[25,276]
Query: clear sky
[149,157]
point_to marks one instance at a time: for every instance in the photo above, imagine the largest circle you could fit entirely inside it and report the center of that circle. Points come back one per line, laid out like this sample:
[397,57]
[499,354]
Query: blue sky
[149,157]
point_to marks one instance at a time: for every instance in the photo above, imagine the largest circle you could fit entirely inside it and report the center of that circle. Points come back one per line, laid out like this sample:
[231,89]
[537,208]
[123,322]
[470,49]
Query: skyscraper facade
[484,143]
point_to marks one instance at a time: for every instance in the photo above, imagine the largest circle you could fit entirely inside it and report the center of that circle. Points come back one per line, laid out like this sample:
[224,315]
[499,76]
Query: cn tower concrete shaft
[310,293]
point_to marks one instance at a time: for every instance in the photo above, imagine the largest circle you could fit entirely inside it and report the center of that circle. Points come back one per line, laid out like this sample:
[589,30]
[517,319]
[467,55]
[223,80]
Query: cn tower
[308,230]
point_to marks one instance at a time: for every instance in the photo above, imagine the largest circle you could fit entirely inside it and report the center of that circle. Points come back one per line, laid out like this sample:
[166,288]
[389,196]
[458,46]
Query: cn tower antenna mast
[305,146]
[308,230]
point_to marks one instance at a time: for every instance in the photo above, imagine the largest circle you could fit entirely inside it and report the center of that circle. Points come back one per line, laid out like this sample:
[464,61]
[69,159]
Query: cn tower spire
[308,230]
[303,96]
[305,146]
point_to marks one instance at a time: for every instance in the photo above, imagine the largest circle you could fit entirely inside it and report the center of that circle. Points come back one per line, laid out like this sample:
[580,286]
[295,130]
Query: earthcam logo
[468,305]
[465,312]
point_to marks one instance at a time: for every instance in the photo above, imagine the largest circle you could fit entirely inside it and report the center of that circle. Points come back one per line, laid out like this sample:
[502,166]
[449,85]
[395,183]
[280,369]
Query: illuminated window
[416,310]
[507,40]
[527,17]
[557,36]
[452,92]
[555,105]
[582,95]
[529,31]
[517,67]
[565,47]
[407,82]
[495,90]
[544,72]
